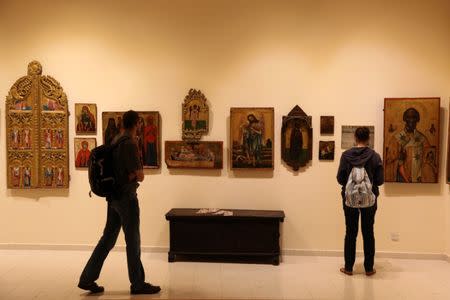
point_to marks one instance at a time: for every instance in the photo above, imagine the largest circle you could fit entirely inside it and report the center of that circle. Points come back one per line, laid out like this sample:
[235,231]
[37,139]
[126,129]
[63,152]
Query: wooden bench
[246,234]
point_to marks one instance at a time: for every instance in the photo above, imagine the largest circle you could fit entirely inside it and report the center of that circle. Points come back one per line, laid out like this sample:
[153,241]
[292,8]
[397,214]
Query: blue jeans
[123,212]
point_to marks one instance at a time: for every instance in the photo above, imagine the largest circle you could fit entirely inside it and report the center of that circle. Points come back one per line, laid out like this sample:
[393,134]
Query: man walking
[123,212]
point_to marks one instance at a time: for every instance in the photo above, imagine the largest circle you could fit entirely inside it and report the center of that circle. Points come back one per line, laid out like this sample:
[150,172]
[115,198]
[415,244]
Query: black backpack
[101,169]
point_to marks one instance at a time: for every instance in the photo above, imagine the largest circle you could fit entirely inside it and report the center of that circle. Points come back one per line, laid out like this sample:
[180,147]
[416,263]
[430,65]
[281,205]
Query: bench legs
[171,257]
[276,260]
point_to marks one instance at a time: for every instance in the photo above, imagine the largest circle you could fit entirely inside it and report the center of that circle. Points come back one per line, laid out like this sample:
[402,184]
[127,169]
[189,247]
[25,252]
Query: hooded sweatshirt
[361,157]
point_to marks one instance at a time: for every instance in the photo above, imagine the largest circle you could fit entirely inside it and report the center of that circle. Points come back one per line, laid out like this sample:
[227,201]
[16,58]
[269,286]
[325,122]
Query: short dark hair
[130,119]
[362,134]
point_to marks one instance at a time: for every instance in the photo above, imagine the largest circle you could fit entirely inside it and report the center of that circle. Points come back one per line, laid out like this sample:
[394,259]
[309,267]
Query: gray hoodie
[361,157]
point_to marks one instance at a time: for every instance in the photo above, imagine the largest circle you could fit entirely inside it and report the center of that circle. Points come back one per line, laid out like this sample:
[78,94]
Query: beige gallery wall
[338,58]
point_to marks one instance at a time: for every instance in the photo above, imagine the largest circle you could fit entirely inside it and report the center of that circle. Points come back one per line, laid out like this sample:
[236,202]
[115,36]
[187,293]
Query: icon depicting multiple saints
[148,134]
[20,138]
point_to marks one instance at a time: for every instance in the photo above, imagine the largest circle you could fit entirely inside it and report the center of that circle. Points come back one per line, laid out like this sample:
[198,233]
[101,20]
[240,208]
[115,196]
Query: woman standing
[360,156]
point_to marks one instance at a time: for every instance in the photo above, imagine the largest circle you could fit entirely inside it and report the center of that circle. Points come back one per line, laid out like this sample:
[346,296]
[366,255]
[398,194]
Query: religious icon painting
[52,138]
[20,138]
[37,132]
[326,150]
[112,126]
[83,148]
[296,138]
[27,175]
[252,138]
[21,176]
[195,116]
[15,138]
[348,136]
[15,176]
[194,155]
[49,104]
[411,140]
[48,175]
[26,138]
[59,170]
[86,118]
[148,134]
[326,124]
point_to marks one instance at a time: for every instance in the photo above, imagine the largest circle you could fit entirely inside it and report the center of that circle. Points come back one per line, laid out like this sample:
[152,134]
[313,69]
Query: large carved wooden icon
[296,138]
[411,140]
[195,116]
[37,132]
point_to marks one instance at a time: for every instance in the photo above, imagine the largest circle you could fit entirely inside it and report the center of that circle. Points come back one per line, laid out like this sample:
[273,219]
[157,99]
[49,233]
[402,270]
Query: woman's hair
[362,134]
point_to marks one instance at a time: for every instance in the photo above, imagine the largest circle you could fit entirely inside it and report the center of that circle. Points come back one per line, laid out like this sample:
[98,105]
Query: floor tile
[54,275]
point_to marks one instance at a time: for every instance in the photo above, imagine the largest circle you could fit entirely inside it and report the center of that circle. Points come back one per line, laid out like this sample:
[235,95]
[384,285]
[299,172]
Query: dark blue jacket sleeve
[342,175]
[378,176]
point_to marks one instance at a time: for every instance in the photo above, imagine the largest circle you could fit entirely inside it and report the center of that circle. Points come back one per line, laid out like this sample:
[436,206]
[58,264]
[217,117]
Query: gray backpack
[358,190]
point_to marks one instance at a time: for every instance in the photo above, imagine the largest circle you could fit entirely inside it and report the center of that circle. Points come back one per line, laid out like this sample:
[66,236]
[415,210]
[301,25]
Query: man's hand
[140,175]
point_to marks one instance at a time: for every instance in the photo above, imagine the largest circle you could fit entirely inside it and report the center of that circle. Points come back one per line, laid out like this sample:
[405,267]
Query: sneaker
[370,273]
[346,272]
[147,288]
[92,287]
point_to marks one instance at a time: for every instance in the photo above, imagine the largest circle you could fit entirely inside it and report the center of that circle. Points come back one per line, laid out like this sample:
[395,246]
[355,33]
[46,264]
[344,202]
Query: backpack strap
[122,139]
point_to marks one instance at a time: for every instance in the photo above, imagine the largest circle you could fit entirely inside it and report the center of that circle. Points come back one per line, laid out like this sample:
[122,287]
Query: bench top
[175,213]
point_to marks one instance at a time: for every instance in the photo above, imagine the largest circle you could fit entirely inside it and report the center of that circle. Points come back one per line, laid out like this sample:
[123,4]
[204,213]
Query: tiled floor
[54,274]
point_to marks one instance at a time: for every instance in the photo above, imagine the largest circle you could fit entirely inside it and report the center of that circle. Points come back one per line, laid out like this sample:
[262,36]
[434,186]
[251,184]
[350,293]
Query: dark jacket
[361,157]
[126,159]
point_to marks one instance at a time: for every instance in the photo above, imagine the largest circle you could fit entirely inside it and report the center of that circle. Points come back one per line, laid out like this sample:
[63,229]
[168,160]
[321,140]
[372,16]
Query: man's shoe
[147,288]
[370,273]
[92,287]
[346,272]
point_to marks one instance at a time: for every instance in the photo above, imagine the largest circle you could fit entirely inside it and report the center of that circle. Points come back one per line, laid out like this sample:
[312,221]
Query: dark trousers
[351,224]
[123,211]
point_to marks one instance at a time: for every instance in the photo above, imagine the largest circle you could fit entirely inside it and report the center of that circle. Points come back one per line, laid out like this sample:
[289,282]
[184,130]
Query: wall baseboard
[72,247]
[287,252]
[379,254]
